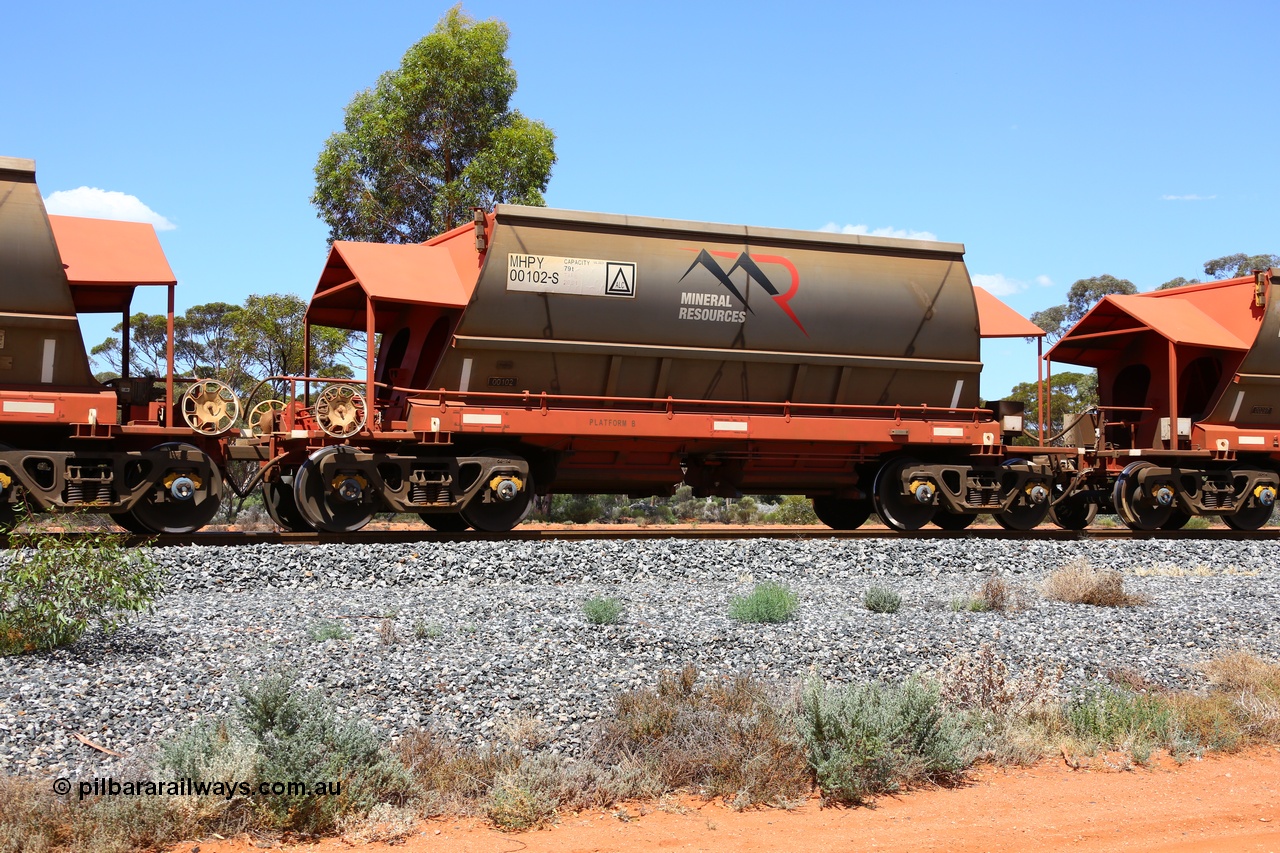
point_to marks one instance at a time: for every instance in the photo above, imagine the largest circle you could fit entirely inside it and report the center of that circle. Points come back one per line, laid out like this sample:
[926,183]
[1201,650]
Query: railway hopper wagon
[542,350]
[1189,417]
[67,442]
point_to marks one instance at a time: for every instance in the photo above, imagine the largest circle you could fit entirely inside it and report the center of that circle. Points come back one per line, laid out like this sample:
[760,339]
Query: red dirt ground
[1224,803]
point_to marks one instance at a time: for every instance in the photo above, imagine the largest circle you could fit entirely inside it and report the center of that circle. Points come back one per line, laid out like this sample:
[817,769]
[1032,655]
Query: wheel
[1177,520]
[445,522]
[1249,518]
[164,510]
[277,498]
[129,522]
[900,511]
[489,512]
[842,513]
[953,520]
[1137,509]
[339,502]
[210,407]
[1254,513]
[1022,514]
[1075,512]
[340,411]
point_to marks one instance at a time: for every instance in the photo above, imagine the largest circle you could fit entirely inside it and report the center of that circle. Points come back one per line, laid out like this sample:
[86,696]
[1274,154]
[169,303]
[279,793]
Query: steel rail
[531,534]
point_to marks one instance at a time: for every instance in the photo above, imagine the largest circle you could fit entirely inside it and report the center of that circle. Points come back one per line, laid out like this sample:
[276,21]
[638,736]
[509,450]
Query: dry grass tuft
[981,682]
[1253,684]
[1131,679]
[996,595]
[1078,582]
[725,737]
[1244,671]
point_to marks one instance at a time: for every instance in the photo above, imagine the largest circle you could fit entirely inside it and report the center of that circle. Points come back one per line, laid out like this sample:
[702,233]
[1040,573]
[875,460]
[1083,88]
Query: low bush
[328,629]
[794,509]
[52,590]
[768,602]
[1080,583]
[872,739]
[1122,720]
[881,600]
[744,511]
[981,682]
[602,611]
[971,603]
[997,595]
[1253,685]
[726,737]
[283,733]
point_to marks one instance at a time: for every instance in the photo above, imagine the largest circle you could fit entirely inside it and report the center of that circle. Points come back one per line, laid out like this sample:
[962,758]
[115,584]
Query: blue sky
[1056,141]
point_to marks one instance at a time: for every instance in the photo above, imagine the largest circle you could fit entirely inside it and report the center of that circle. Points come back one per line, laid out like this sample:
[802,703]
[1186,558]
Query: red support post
[306,364]
[168,390]
[370,333]
[1040,389]
[1048,397]
[1173,396]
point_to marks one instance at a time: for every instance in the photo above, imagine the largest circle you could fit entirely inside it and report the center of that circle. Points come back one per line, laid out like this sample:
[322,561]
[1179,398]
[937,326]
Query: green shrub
[744,511]
[971,603]
[513,805]
[328,629]
[1121,719]
[870,739]
[602,611]
[768,602]
[53,590]
[881,600]
[794,509]
[576,509]
[282,733]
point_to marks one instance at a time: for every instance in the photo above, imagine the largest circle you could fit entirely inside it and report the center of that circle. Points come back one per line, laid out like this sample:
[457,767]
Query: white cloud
[833,228]
[1192,197]
[104,204]
[998,284]
[1044,281]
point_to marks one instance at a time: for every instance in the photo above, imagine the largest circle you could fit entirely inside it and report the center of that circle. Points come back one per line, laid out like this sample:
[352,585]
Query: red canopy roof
[997,320]
[105,260]
[1172,314]
[442,272]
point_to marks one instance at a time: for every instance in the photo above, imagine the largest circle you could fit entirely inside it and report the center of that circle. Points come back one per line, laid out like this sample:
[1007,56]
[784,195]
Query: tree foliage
[1070,393]
[237,344]
[1239,264]
[1177,282]
[1080,298]
[267,341]
[432,140]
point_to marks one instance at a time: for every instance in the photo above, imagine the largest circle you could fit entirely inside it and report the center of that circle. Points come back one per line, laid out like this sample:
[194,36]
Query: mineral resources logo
[750,265]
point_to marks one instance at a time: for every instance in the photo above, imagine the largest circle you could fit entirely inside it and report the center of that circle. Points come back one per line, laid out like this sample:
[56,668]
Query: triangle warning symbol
[620,284]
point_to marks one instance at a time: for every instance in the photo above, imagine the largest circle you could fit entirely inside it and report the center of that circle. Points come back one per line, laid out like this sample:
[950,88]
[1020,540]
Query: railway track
[535,534]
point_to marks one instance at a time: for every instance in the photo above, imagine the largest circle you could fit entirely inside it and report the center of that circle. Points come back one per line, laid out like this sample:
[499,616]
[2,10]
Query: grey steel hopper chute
[41,342]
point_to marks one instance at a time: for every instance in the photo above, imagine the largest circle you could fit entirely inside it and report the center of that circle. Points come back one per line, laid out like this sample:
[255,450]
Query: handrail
[525,399]
[294,380]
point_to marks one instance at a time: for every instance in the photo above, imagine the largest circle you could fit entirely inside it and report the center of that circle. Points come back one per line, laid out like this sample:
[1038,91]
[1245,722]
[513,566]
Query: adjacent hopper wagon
[128,448]
[1189,418]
